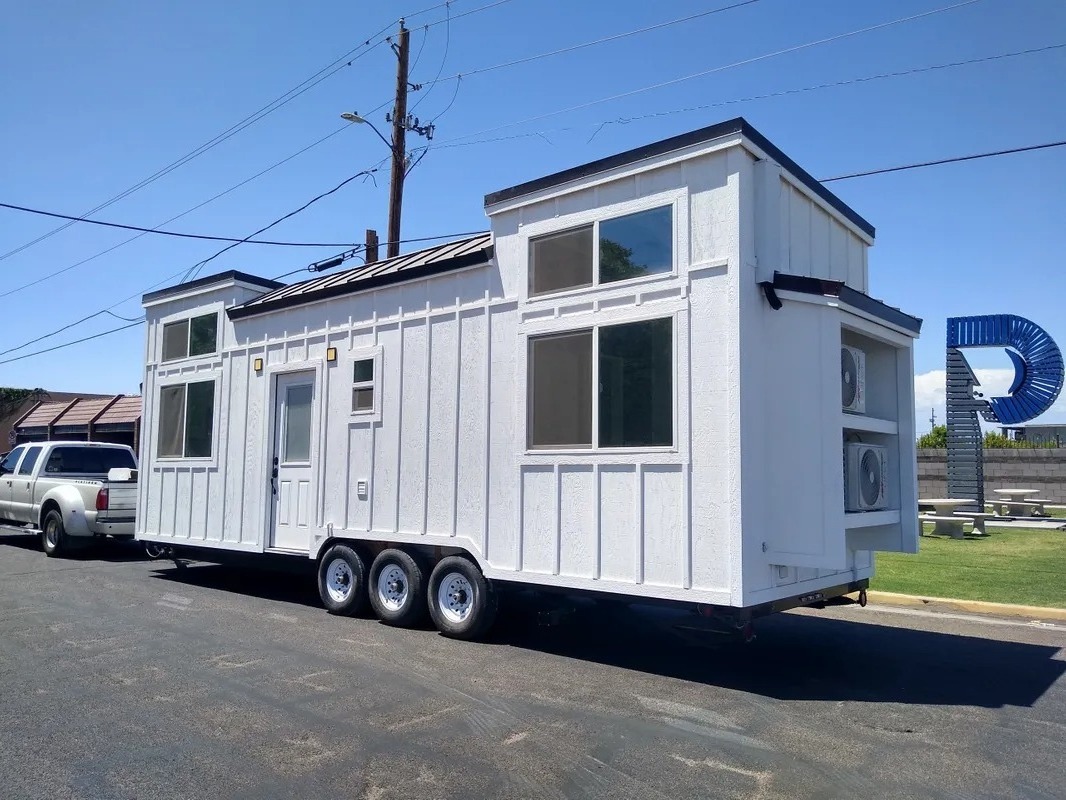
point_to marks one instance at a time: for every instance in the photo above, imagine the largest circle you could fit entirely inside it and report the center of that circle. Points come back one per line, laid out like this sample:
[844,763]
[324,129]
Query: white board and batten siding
[444,459]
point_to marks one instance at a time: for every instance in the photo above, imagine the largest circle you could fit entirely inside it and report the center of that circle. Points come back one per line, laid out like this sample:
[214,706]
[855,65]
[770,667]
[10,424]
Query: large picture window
[635,397]
[610,250]
[186,420]
[197,336]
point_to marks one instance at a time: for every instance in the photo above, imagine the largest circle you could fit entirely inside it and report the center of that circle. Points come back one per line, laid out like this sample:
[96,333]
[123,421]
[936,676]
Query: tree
[616,262]
[11,399]
[936,438]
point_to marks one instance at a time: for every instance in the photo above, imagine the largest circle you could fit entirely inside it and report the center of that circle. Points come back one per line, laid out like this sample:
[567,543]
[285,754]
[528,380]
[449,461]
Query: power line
[71,344]
[346,60]
[713,70]
[159,232]
[361,174]
[186,274]
[187,211]
[765,96]
[953,160]
[581,46]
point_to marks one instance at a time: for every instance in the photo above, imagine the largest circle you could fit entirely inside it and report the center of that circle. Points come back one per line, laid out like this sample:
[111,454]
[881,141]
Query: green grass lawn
[1016,565]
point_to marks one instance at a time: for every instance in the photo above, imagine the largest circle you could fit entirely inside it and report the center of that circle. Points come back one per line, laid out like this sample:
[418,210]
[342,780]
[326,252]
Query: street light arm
[351,117]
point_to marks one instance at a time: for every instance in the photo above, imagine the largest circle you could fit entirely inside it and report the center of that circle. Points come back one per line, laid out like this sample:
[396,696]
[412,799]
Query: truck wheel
[53,534]
[342,581]
[397,588]
[462,602]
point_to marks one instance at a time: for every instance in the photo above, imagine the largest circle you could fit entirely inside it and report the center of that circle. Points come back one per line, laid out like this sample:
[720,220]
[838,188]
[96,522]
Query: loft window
[186,420]
[197,336]
[609,250]
[363,386]
[635,380]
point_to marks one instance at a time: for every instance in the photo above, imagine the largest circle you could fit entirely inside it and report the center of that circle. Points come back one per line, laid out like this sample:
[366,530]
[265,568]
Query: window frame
[25,457]
[185,380]
[374,354]
[23,448]
[670,201]
[188,318]
[596,448]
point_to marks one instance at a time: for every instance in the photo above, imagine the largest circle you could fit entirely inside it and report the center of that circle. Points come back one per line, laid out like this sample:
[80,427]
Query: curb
[972,606]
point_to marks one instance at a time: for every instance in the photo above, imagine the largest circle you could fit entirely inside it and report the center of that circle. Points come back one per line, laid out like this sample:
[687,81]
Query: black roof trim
[848,296]
[729,127]
[370,282]
[220,277]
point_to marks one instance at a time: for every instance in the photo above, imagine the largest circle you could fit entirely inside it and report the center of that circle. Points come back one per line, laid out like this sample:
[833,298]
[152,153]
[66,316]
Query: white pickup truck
[69,491]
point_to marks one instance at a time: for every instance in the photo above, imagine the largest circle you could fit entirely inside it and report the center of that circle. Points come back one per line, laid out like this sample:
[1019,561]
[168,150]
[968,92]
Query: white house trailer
[659,376]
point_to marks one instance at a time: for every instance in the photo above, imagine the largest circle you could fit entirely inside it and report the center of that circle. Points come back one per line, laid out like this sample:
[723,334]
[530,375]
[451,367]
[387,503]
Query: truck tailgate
[121,501]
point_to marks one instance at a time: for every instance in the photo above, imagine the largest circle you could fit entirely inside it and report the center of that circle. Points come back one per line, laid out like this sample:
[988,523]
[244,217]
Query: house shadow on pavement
[796,656]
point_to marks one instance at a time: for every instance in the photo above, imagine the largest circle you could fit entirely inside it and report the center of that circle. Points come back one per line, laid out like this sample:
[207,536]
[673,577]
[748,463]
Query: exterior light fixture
[331,354]
[257,365]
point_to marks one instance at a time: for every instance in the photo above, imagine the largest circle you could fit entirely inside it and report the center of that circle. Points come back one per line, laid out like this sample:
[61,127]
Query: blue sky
[99,96]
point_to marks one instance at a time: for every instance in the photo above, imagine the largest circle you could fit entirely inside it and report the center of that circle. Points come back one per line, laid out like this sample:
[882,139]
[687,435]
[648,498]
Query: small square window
[363,399]
[363,386]
[636,244]
[364,370]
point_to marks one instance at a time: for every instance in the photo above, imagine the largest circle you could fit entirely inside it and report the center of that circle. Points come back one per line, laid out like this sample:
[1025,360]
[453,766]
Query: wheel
[53,534]
[462,602]
[342,581]
[397,588]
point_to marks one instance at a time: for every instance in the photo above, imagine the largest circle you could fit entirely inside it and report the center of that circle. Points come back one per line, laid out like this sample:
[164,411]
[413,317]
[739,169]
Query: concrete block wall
[1043,469]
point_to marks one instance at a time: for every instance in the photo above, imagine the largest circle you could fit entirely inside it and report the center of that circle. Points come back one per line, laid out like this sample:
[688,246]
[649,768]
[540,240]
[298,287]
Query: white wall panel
[411,453]
[665,528]
[619,522]
[443,425]
[577,521]
[473,395]
[539,519]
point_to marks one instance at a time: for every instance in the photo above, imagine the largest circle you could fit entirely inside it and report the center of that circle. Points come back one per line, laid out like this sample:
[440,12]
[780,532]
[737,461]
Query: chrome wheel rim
[339,580]
[51,533]
[455,597]
[392,587]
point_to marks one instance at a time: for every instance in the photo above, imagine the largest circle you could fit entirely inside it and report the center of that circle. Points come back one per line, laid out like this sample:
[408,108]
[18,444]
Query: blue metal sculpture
[1038,378]
[1038,366]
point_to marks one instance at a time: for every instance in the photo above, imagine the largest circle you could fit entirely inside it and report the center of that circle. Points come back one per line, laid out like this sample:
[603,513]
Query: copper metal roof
[125,410]
[82,412]
[441,258]
[43,415]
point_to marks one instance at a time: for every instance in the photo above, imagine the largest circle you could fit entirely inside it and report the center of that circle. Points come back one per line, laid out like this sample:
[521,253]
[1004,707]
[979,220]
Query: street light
[353,116]
[399,167]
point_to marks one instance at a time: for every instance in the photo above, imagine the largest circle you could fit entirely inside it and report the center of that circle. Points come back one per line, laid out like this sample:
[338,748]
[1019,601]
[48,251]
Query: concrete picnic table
[1012,499]
[944,519]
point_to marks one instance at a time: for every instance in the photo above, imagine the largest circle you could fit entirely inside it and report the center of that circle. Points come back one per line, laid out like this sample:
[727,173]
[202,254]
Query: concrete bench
[953,526]
[1038,504]
[978,518]
[1014,508]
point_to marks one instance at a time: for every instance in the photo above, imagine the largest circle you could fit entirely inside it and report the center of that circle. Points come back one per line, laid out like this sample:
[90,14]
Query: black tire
[342,567]
[53,535]
[403,602]
[462,602]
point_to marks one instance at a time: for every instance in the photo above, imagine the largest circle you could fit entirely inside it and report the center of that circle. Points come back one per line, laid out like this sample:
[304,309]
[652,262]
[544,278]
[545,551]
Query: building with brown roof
[114,418]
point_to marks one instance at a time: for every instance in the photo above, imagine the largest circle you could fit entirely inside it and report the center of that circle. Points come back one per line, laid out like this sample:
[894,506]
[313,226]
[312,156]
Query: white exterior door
[292,461]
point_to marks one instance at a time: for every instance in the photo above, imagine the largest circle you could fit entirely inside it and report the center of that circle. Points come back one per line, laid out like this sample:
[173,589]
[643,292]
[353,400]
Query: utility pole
[932,418]
[370,249]
[399,136]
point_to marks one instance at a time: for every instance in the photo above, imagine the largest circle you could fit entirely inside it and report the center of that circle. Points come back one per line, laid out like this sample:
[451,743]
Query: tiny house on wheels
[659,377]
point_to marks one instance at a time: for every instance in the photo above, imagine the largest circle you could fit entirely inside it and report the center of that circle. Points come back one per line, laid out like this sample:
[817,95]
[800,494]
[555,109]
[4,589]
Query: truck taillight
[101,500]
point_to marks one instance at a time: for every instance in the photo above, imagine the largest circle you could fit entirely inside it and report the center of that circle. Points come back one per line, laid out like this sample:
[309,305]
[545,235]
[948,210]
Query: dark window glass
[8,464]
[26,467]
[637,244]
[203,335]
[171,421]
[561,261]
[88,460]
[175,340]
[363,399]
[560,390]
[364,370]
[199,419]
[636,384]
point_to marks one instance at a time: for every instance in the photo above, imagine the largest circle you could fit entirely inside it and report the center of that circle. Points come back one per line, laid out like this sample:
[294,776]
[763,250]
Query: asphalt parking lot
[125,678]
